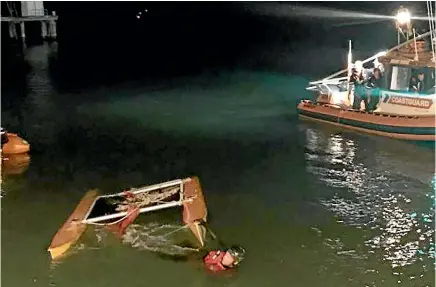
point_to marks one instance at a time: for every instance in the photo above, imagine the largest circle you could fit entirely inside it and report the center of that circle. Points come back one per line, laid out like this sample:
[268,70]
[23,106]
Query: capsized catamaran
[117,211]
[397,110]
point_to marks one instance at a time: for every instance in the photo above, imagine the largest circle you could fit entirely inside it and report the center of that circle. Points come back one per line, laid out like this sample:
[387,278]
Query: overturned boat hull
[417,128]
[104,209]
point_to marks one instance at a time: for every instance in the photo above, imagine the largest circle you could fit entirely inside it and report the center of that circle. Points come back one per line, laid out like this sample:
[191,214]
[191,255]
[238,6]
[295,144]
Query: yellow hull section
[73,228]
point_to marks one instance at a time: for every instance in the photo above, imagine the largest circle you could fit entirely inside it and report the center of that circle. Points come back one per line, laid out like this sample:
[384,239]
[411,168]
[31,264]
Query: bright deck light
[403,17]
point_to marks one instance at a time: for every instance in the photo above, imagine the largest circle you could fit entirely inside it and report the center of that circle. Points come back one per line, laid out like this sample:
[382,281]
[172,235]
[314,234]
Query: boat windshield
[403,78]
[432,90]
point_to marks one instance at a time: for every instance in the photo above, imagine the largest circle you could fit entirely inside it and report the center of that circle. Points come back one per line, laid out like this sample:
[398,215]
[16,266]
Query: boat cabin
[402,68]
[402,65]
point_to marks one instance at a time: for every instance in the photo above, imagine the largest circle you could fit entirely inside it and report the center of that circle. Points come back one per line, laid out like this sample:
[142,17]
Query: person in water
[217,260]
[221,260]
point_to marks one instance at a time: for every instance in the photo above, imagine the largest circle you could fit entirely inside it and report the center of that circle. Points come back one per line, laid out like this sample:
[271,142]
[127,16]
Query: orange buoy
[13,144]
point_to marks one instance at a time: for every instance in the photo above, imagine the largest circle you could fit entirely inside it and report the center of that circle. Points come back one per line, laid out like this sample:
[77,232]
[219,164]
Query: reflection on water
[15,164]
[391,207]
[40,110]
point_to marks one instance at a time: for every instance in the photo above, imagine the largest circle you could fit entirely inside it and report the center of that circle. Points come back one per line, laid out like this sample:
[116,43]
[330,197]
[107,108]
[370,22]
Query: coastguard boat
[117,211]
[398,111]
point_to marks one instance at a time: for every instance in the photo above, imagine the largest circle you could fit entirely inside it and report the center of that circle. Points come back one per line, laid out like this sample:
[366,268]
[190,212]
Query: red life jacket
[213,260]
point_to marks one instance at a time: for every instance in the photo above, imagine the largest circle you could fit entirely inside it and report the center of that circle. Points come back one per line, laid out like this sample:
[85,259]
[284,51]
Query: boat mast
[432,26]
[349,62]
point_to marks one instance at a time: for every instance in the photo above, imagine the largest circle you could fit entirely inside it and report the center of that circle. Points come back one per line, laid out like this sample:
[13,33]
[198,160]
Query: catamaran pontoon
[117,211]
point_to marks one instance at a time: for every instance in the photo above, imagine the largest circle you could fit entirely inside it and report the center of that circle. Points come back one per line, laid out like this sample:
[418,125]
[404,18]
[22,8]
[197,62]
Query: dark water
[313,206]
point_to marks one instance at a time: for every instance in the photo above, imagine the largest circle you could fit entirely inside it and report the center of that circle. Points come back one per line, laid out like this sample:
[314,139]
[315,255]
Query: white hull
[393,103]
[406,104]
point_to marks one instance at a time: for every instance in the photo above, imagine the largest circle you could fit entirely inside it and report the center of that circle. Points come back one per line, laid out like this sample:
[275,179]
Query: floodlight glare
[403,17]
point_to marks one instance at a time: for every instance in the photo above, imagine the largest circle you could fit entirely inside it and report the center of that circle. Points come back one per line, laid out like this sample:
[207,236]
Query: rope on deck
[145,199]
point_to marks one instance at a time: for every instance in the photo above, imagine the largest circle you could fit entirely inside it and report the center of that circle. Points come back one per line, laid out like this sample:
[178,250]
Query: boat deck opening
[115,204]
[105,206]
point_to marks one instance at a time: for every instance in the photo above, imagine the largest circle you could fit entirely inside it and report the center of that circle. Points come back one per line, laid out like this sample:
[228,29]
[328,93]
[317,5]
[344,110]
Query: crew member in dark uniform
[372,86]
[413,87]
[356,81]
[416,84]
[420,84]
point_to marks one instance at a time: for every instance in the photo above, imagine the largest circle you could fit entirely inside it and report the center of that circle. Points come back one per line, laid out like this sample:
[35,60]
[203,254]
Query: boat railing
[383,53]
[329,81]
[322,85]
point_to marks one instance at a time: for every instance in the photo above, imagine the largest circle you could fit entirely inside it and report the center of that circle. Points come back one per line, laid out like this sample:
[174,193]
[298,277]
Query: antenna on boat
[432,26]
[349,67]
[349,62]
[416,49]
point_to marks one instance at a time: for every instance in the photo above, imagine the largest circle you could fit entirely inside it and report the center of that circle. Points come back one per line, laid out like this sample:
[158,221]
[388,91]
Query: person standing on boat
[375,80]
[372,86]
[356,82]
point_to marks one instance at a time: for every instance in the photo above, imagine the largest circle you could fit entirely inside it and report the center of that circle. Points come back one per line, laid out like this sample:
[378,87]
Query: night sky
[184,38]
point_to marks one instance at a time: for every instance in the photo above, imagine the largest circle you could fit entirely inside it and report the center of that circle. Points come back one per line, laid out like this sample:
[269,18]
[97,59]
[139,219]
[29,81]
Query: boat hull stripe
[370,126]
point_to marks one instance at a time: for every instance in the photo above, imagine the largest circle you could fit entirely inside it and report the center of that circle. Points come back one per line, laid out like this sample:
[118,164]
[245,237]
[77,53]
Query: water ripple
[154,237]
[390,207]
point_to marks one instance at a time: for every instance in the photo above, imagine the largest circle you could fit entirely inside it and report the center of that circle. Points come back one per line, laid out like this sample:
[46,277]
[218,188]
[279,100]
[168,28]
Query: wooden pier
[30,14]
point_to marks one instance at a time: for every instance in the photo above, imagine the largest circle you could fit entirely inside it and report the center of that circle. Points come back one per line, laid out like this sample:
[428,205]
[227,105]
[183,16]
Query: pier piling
[52,25]
[44,30]
[23,30]
[12,30]
[32,11]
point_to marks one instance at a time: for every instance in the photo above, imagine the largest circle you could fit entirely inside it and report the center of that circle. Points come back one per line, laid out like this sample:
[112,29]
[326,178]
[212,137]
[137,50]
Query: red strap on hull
[120,228]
